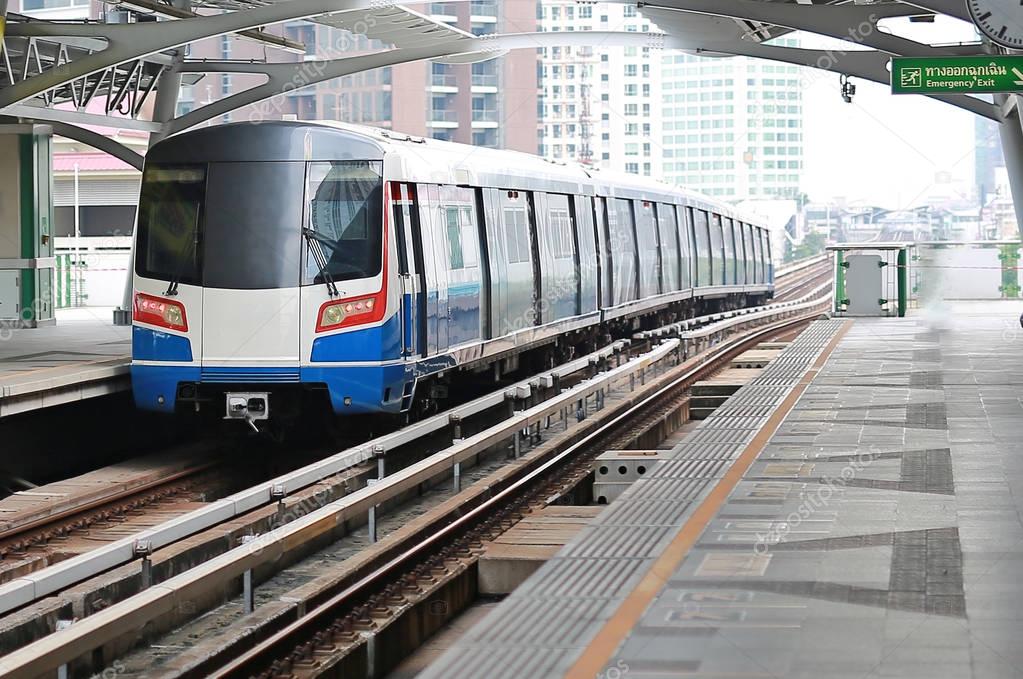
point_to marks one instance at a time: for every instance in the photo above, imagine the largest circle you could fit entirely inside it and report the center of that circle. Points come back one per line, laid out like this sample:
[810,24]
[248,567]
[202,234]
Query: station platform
[82,356]
[854,511]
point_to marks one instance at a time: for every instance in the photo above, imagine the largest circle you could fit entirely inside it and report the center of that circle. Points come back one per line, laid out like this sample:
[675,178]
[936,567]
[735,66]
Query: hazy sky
[888,150]
[882,149]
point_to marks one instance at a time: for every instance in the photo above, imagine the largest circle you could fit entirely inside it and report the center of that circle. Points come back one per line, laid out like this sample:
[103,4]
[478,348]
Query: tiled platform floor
[84,354]
[877,534]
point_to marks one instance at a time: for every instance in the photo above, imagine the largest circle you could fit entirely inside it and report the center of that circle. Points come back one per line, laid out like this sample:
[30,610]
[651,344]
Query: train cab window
[345,219]
[170,210]
[252,238]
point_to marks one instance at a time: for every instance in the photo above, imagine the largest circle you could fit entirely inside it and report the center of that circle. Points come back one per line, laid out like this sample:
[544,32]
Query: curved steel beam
[285,77]
[99,142]
[126,42]
[851,23]
[953,8]
[868,65]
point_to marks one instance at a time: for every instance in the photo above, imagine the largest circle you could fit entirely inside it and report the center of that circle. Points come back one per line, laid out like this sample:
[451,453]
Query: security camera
[848,89]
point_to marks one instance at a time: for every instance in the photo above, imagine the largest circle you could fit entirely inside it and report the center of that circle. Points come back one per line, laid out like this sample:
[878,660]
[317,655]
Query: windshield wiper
[188,249]
[316,248]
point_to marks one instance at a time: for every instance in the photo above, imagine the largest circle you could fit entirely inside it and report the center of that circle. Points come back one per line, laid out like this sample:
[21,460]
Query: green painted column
[27,265]
[1009,257]
[839,280]
[903,265]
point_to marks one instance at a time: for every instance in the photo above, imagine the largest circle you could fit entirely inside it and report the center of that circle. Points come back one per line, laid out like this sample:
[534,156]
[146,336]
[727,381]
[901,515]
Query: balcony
[443,118]
[483,12]
[444,80]
[485,80]
[486,116]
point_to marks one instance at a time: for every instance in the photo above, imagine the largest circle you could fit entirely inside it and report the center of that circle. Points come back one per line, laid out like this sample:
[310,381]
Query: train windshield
[240,225]
[344,220]
[169,218]
[252,238]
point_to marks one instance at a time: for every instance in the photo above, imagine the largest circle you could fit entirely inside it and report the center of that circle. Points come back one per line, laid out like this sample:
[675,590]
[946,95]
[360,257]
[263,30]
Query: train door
[410,269]
[717,250]
[729,234]
[519,302]
[534,244]
[751,256]
[460,257]
[435,272]
[560,281]
[604,265]
[685,240]
[589,257]
[740,254]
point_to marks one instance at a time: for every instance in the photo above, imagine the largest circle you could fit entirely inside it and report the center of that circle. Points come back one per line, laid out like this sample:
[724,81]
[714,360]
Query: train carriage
[280,263]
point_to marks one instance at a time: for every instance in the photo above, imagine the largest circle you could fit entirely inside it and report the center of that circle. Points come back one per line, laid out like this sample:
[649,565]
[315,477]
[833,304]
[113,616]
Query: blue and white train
[280,264]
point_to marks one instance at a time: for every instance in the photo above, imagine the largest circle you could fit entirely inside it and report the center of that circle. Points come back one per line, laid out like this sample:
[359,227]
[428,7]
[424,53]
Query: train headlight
[333,315]
[173,315]
[348,312]
[160,312]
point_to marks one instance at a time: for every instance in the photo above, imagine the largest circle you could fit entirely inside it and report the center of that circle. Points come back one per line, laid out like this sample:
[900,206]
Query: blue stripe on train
[156,345]
[353,390]
[382,343]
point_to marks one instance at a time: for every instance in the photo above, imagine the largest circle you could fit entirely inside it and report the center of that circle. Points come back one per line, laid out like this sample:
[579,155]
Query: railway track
[117,494]
[338,505]
[321,642]
[112,495]
[803,277]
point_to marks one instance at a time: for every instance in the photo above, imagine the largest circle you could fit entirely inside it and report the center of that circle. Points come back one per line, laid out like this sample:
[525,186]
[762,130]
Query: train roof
[419,159]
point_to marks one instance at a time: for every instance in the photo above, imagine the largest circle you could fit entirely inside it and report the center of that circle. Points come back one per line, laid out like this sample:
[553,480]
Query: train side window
[470,240]
[516,234]
[454,227]
[404,207]
[562,245]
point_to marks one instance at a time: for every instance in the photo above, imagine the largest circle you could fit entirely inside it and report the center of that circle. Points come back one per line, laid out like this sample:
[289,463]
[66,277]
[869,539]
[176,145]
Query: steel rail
[27,589]
[801,265]
[52,579]
[279,644]
[63,646]
[33,586]
[15,533]
[711,324]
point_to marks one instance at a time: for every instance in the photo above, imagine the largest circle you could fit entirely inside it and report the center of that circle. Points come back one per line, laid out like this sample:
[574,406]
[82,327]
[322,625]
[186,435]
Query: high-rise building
[491,103]
[733,127]
[600,105]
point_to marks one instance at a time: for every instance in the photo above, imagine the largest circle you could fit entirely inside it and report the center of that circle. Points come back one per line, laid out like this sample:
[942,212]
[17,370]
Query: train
[281,266]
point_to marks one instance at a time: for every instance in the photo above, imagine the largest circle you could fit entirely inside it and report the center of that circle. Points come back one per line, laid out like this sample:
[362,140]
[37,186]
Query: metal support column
[1011,131]
[165,107]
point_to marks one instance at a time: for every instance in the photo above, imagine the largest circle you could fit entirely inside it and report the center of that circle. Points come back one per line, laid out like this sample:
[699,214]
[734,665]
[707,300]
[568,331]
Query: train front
[260,275]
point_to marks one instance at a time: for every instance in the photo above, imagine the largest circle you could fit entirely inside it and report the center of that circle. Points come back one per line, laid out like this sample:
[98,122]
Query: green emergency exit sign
[957,75]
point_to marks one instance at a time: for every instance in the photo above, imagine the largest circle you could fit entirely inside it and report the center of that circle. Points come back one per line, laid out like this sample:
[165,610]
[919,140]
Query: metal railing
[65,645]
[52,579]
